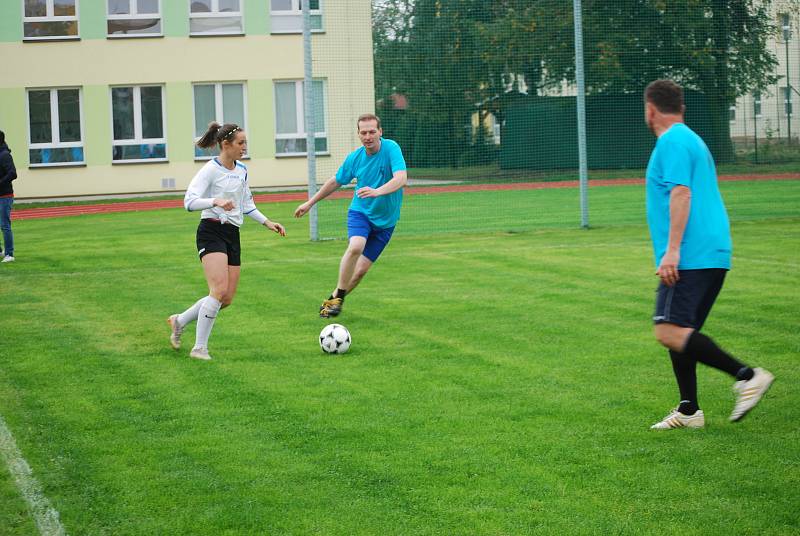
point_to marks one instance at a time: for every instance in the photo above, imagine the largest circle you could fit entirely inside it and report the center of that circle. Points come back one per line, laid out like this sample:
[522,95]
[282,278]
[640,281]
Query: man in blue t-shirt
[380,172]
[692,244]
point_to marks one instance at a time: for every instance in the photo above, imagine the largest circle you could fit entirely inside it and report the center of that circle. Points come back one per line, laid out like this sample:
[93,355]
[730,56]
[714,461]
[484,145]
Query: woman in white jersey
[221,191]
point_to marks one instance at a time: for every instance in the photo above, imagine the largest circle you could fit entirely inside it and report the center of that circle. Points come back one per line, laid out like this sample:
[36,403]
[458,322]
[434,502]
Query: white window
[49,19]
[290,130]
[138,124]
[215,17]
[134,18]
[286,16]
[221,102]
[55,127]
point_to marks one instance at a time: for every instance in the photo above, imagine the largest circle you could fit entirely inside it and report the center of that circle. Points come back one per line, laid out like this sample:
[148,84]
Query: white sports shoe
[676,419]
[8,258]
[177,330]
[749,392]
[200,353]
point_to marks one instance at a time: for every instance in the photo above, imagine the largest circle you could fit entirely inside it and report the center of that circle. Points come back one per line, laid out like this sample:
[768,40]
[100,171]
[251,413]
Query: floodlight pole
[581,97]
[308,107]
[787,33]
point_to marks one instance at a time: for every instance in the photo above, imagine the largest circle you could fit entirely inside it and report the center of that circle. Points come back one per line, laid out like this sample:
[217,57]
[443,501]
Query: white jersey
[215,181]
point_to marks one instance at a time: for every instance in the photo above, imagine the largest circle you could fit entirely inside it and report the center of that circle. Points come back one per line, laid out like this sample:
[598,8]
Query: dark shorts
[216,237]
[688,303]
[359,225]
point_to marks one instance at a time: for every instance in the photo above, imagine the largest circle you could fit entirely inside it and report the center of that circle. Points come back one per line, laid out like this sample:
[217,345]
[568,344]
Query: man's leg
[5,224]
[362,267]
[347,267]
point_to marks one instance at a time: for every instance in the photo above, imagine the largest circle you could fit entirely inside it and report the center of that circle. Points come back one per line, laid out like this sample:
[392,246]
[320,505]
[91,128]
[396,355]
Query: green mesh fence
[482,95]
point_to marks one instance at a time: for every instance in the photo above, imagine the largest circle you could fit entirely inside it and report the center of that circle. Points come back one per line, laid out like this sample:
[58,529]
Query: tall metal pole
[579,79]
[787,33]
[755,127]
[308,107]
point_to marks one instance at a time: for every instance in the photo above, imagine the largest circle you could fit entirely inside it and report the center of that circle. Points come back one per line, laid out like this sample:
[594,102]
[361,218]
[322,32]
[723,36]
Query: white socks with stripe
[205,320]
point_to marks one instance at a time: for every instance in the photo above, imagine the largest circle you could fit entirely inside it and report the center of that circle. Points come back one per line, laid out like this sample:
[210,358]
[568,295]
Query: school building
[108,96]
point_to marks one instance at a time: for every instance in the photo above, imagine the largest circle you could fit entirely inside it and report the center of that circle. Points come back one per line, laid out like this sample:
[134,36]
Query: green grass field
[502,377]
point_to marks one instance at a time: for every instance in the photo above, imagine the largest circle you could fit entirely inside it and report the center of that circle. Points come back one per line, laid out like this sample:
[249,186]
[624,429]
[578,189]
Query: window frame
[297,11]
[134,5]
[55,133]
[215,13]
[137,124]
[300,117]
[218,105]
[50,8]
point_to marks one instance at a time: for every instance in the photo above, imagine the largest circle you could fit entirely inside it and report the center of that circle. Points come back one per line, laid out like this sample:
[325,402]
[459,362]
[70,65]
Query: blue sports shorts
[359,225]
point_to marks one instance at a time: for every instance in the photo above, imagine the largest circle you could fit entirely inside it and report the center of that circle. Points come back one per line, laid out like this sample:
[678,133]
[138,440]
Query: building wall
[342,57]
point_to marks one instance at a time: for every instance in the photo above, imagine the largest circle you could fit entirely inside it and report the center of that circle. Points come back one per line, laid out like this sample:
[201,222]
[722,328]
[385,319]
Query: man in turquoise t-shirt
[692,244]
[380,172]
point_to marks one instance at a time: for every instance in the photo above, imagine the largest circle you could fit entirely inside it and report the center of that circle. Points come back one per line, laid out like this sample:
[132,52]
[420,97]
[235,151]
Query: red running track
[132,206]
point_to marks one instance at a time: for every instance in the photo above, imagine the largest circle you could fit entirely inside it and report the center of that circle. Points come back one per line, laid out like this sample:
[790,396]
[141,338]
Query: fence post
[308,105]
[581,98]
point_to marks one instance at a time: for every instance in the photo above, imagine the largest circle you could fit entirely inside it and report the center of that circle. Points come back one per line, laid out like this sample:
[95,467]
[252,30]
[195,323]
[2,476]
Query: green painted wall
[260,119]
[256,17]
[180,126]
[97,125]
[14,123]
[11,21]
[175,17]
[92,19]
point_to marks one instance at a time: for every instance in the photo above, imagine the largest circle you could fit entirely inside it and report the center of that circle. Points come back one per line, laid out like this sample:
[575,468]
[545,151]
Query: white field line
[45,516]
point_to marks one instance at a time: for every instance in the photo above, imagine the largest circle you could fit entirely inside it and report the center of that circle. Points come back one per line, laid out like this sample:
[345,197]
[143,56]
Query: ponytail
[216,134]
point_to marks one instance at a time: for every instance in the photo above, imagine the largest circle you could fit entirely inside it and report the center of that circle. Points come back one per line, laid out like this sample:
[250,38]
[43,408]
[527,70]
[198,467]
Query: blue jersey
[681,158]
[375,171]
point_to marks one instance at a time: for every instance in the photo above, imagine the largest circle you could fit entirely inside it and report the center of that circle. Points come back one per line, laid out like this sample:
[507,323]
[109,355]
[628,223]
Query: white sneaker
[8,258]
[676,419]
[200,353]
[749,392]
[177,330]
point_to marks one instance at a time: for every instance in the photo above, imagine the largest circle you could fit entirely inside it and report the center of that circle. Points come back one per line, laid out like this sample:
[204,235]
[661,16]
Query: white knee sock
[205,320]
[190,314]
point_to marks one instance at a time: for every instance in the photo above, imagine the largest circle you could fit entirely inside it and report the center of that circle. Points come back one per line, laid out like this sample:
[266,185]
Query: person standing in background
[7,174]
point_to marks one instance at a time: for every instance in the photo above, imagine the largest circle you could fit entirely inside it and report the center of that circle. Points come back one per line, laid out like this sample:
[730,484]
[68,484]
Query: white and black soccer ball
[334,339]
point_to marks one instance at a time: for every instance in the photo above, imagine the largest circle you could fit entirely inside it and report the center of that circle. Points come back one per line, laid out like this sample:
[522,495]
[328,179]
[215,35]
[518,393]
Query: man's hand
[302,209]
[276,227]
[668,269]
[367,192]
[225,204]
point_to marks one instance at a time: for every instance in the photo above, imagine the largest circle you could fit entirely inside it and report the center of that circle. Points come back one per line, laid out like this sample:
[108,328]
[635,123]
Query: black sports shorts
[688,303]
[216,237]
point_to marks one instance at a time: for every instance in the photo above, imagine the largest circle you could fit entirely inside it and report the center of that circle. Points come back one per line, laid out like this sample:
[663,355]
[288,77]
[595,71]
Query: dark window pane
[200,6]
[229,5]
[134,27]
[64,8]
[204,108]
[321,144]
[51,29]
[122,104]
[69,115]
[39,110]
[281,5]
[35,8]
[152,117]
[149,7]
[144,151]
[56,156]
[296,145]
[119,7]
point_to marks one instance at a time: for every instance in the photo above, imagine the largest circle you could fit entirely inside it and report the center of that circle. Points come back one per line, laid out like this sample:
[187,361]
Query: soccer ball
[334,339]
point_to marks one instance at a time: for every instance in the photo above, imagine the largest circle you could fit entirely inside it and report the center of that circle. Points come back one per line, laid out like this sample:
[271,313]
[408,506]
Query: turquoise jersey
[681,158]
[375,171]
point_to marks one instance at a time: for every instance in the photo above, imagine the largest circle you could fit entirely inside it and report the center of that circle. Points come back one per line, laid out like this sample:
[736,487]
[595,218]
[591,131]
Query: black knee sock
[685,370]
[703,349]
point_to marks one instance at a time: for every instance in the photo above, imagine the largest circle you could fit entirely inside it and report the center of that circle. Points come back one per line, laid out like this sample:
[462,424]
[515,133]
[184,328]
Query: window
[287,16]
[732,113]
[290,130]
[56,130]
[215,17]
[757,104]
[786,26]
[134,18]
[50,19]
[787,100]
[138,124]
[223,103]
